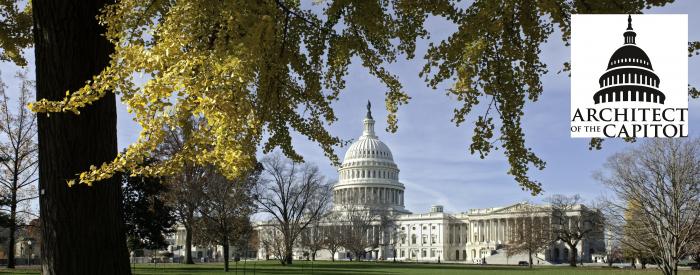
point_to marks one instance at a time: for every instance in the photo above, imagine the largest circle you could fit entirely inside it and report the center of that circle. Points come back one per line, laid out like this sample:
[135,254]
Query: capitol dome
[629,76]
[368,176]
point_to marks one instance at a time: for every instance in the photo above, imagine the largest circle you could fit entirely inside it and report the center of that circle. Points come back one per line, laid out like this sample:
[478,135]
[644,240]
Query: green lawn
[346,268]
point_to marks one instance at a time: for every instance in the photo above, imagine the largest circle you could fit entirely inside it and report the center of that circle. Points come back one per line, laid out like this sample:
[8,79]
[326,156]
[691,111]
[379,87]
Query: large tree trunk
[225,245]
[188,245]
[572,257]
[288,257]
[82,227]
[288,249]
[529,254]
[13,230]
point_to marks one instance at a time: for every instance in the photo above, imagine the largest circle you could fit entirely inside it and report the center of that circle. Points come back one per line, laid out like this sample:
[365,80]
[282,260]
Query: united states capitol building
[370,179]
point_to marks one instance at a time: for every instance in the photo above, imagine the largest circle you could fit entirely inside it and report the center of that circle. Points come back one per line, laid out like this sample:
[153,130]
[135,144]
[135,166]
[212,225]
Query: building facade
[368,179]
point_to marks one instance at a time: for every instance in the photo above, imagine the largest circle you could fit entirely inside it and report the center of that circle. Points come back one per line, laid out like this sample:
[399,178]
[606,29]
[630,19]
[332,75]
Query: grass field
[353,268]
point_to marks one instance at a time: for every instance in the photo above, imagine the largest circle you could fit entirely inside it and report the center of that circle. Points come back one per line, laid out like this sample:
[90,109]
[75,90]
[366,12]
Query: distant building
[369,178]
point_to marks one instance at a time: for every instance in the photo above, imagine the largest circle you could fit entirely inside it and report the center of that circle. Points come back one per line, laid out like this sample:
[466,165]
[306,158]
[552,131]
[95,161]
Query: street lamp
[29,246]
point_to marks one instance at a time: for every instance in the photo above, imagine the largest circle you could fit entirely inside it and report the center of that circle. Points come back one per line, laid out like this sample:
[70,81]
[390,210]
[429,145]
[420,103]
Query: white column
[495,230]
[488,230]
[472,231]
[481,229]
[470,235]
[498,230]
[507,231]
[502,231]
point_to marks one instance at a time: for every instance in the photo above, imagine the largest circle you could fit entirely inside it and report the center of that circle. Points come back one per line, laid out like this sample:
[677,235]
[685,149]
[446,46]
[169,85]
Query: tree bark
[572,257]
[82,227]
[288,257]
[225,245]
[188,245]
[13,230]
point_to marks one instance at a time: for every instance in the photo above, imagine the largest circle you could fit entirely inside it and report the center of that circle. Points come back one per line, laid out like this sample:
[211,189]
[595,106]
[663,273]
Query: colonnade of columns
[361,173]
[501,230]
[377,195]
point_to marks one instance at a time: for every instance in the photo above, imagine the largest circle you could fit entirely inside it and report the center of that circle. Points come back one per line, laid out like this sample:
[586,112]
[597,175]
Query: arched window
[413,238]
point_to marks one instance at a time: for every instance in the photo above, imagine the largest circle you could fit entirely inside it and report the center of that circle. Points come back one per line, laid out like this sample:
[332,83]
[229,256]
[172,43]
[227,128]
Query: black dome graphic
[629,76]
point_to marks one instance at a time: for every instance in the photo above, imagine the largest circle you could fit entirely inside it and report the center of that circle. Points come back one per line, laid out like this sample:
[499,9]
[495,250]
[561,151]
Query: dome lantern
[369,123]
[629,34]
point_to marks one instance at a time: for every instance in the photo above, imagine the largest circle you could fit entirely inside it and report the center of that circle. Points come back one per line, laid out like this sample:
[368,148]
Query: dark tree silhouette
[146,215]
[82,226]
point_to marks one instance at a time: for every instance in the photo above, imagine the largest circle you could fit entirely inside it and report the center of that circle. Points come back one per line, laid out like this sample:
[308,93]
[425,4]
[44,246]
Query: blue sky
[432,152]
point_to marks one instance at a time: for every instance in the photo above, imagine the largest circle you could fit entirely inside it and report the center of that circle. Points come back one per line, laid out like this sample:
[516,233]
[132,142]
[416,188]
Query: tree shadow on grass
[357,268]
[262,269]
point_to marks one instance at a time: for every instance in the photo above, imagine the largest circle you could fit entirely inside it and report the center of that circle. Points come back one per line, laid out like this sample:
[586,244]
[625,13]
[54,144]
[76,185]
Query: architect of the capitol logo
[629,76]
[624,94]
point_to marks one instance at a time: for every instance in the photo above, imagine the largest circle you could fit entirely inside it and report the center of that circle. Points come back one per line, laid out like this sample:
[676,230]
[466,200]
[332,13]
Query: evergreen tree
[146,215]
